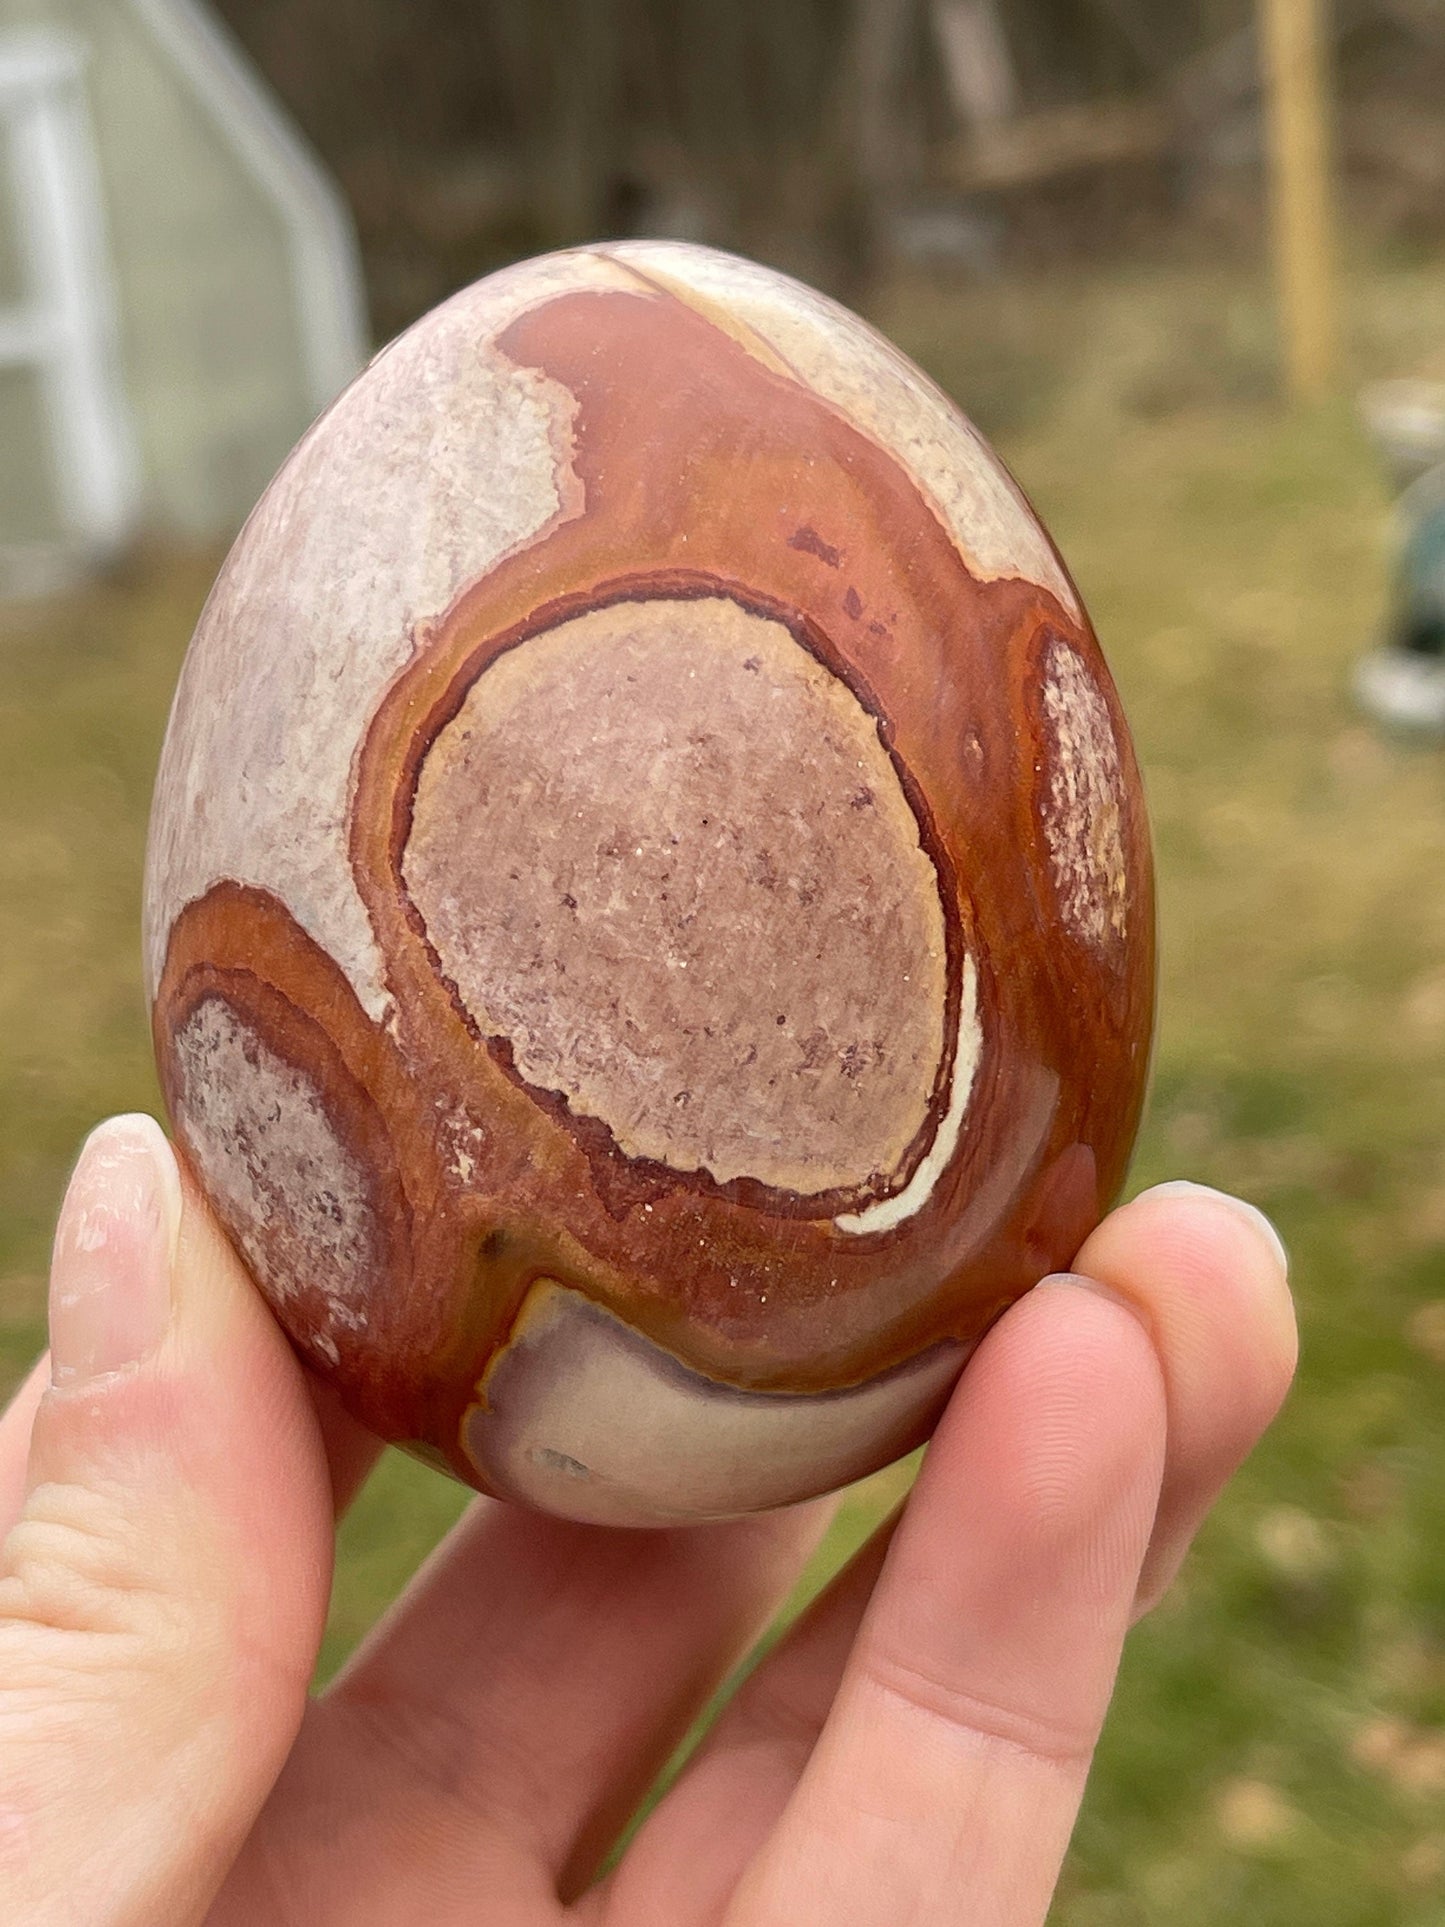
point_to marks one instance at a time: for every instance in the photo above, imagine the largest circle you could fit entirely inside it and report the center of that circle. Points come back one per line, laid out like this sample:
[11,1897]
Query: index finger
[955,1755]
[1208,1275]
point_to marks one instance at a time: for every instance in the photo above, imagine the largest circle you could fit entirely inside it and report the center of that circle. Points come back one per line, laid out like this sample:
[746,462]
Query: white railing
[321,241]
[63,328]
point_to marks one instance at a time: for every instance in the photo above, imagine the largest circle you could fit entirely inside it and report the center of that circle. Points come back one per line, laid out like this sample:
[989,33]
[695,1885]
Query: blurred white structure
[61,326]
[179,286]
[1405,419]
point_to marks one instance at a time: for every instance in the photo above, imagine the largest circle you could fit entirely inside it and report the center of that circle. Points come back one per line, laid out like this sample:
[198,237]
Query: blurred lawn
[1277,1753]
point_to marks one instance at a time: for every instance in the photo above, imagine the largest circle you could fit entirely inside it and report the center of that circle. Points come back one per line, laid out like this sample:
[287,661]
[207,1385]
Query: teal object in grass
[1419,590]
[1402,683]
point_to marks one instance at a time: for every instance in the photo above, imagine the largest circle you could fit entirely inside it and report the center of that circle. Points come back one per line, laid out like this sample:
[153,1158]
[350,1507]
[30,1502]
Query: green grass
[1277,1753]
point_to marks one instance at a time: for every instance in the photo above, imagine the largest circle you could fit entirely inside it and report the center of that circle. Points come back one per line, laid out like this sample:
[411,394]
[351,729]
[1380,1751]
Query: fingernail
[110,1276]
[1079,1281]
[1251,1213]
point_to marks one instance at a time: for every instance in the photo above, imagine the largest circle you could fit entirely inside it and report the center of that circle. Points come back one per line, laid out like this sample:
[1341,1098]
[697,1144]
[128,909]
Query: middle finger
[527,1689]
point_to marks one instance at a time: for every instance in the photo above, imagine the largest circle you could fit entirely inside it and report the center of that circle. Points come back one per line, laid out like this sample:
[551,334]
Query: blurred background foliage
[1277,1752]
[830,137]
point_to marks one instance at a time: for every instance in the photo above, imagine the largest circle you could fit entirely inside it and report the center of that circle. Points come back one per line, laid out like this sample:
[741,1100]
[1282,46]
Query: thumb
[163,1590]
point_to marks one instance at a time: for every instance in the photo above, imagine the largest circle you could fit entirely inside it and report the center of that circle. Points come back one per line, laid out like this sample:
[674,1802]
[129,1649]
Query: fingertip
[1019,1554]
[112,1264]
[1030,1412]
[1200,1260]
[1098,1288]
[1209,1276]
[1190,1193]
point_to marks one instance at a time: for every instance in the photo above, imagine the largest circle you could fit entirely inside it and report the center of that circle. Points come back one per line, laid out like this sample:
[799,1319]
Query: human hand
[914,1750]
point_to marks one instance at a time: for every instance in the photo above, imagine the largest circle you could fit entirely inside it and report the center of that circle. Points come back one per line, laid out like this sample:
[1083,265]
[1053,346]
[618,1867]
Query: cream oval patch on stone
[583,1416]
[661,850]
[293,1196]
[1083,809]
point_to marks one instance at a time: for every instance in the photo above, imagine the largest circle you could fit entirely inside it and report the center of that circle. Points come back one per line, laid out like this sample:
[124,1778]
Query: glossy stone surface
[649,910]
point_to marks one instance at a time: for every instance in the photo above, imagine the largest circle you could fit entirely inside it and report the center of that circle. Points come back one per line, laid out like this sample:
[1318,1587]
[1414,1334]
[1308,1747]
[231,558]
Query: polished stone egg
[649,912]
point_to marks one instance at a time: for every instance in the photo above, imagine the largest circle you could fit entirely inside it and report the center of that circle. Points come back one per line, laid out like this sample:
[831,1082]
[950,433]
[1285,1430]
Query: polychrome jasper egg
[649,909]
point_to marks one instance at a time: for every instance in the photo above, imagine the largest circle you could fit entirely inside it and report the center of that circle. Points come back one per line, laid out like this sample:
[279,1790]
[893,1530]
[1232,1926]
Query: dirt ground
[1278,1749]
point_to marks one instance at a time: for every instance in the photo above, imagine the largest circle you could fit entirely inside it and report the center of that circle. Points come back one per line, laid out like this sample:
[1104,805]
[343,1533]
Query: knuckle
[77,1563]
[1048,1740]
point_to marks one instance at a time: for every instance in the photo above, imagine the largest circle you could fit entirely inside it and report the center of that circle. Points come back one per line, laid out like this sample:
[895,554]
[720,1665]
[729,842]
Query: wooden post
[978,68]
[1292,40]
[879,42]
